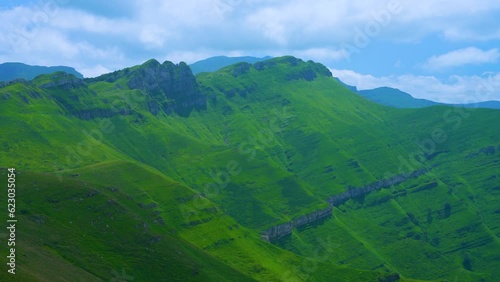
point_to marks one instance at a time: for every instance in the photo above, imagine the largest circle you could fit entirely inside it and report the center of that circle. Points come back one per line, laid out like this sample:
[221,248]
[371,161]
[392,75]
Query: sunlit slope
[250,147]
[80,231]
[447,221]
[120,218]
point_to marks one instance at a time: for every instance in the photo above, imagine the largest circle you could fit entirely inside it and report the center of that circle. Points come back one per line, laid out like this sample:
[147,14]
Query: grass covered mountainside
[154,174]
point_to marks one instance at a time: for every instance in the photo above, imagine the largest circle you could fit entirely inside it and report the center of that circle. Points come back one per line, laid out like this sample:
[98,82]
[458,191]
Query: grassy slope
[74,229]
[272,148]
[461,243]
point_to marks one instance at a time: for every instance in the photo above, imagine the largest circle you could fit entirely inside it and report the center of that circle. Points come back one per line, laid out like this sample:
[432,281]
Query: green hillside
[230,176]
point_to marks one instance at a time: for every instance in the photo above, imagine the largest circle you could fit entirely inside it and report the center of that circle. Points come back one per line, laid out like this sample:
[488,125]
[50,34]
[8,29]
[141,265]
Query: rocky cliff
[170,88]
[62,80]
[286,228]
[356,192]
[173,86]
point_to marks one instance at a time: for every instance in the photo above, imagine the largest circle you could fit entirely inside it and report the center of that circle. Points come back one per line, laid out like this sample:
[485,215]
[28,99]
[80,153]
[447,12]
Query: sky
[442,50]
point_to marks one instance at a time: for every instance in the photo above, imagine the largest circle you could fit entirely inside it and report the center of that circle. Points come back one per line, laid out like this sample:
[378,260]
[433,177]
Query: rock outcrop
[173,86]
[11,82]
[62,80]
[356,192]
[100,113]
[489,150]
[169,88]
[286,228]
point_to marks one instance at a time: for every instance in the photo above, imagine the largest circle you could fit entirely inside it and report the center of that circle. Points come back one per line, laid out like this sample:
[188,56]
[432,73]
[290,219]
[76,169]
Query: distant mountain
[396,98]
[486,104]
[11,71]
[216,63]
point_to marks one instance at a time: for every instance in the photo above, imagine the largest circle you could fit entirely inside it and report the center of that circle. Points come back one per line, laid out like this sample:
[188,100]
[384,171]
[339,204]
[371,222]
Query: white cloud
[466,56]
[94,71]
[458,89]
[84,34]
[153,36]
[464,34]
[65,20]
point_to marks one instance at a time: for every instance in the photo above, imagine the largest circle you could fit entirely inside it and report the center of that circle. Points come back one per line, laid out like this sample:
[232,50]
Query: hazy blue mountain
[11,71]
[396,98]
[216,63]
[486,104]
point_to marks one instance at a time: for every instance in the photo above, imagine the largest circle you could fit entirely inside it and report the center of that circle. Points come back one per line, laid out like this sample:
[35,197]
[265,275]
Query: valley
[271,171]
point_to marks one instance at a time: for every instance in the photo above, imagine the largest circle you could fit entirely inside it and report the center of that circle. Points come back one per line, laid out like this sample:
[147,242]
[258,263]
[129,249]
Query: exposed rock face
[169,88]
[62,80]
[490,150]
[100,113]
[240,69]
[356,192]
[284,229]
[312,217]
[173,86]
[17,80]
[277,231]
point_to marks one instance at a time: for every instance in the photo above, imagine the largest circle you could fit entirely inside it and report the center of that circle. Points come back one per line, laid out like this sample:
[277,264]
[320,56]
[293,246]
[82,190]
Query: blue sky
[440,50]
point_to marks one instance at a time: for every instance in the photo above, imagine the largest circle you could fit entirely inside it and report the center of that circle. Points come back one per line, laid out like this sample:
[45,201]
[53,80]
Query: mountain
[484,105]
[272,171]
[396,98]
[11,71]
[216,63]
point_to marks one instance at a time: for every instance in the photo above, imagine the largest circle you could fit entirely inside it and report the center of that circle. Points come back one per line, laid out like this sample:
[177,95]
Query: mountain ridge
[396,98]
[11,71]
[275,141]
[216,63]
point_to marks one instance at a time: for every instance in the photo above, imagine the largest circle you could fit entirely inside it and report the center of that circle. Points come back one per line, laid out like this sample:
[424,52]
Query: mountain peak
[287,67]
[150,63]
[60,80]
[216,63]
[170,87]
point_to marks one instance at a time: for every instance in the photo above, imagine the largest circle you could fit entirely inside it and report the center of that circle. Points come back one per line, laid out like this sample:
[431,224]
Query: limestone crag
[169,88]
[173,86]
[284,229]
[356,192]
[62,80]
